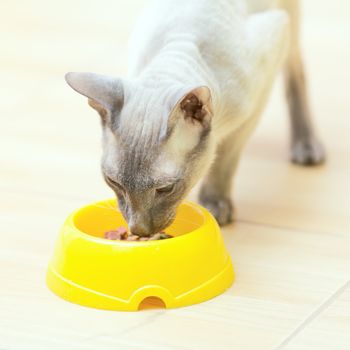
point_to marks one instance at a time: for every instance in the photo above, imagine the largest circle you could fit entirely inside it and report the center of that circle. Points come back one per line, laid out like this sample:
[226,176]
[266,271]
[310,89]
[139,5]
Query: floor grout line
[313,315]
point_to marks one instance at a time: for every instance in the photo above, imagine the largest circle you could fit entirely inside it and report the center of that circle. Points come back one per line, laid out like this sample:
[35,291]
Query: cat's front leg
[216,190]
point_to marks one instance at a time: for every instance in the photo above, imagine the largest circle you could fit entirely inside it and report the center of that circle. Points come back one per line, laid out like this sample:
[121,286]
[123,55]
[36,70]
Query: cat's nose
[139,229]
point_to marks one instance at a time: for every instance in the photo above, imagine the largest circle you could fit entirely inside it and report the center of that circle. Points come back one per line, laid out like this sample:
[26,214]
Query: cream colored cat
[200,74]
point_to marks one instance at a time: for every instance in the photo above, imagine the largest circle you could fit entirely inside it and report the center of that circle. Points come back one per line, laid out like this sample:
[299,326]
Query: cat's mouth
[156,228]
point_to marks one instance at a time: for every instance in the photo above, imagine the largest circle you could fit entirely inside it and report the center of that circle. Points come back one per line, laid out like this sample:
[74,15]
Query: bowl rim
[208,220]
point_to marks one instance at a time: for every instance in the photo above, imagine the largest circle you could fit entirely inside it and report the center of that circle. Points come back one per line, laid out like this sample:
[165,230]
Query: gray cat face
[155,145]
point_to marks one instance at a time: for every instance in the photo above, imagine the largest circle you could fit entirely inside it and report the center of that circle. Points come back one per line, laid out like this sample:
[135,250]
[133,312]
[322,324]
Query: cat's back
[211,25]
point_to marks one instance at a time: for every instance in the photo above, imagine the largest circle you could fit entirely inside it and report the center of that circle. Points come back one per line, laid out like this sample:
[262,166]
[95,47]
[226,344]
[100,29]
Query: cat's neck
[179,62]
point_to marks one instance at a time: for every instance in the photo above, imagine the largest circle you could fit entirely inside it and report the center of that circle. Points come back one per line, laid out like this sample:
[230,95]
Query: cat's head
[156,144]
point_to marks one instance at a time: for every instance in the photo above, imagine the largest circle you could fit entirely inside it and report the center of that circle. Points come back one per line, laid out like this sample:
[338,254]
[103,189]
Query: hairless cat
[200,73]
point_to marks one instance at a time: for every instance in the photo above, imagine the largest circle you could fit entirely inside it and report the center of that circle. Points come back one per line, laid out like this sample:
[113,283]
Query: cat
[200,73]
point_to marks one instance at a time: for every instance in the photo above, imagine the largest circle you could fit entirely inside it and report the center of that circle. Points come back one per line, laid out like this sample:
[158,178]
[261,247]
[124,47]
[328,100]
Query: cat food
[122,234]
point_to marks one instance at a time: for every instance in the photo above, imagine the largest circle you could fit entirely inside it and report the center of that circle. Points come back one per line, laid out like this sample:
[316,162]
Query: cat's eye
[165,189]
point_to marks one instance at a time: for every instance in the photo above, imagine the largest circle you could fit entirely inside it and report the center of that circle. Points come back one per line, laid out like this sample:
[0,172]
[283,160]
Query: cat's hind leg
[306,149]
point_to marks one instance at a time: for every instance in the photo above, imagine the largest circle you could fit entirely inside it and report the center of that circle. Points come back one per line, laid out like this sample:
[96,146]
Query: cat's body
[198,43]
[200,74]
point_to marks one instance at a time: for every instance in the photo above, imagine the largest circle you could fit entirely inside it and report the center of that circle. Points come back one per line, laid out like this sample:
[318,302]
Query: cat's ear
[105,93]
[194,106]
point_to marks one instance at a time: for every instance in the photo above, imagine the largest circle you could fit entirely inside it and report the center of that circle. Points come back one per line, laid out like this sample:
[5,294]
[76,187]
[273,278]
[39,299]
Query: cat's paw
[220,207]
[308,152]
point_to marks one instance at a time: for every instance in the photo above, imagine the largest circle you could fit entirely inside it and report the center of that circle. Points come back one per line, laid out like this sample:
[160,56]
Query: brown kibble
[133,238]
[155,237]
[122,234]
[112,235]
[122,230]
[164,235]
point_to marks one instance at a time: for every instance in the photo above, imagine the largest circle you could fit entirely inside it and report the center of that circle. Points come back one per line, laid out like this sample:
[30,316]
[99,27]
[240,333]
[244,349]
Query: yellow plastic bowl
[119,275]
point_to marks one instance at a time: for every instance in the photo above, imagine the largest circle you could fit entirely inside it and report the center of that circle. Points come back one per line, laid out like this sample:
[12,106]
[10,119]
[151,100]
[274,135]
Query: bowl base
[78,294]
